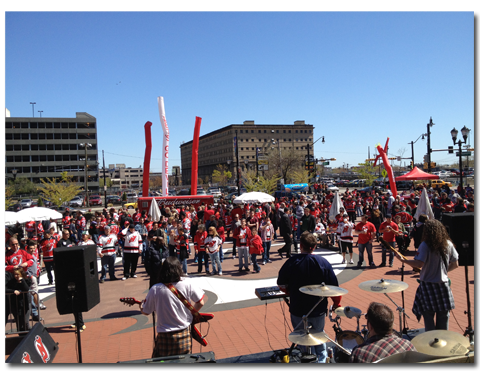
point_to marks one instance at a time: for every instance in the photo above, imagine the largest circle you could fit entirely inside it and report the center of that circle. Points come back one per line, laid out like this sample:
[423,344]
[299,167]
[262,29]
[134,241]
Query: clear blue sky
[357,77]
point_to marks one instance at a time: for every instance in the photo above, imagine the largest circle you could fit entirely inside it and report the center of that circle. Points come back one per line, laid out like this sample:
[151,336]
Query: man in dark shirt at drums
[382,341]
[307,269]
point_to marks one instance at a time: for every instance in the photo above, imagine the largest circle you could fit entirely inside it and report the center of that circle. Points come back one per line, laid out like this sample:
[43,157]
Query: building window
[296,131]
[301,130]
[278,131]
[241,148]
[289,139]
[252,131]
[284,131]
[289,131]
[241,157]
[241,131]
[264,131]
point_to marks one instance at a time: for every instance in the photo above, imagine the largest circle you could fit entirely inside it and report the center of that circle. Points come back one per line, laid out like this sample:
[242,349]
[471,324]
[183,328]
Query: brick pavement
[116,332]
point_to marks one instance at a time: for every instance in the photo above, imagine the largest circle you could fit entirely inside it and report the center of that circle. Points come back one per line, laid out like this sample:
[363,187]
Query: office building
[217,147]
[42,147]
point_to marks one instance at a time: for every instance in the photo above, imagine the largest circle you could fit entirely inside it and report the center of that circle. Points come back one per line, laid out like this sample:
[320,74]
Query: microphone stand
[404,331]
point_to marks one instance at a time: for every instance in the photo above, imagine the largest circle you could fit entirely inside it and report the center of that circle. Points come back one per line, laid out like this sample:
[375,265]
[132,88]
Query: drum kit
[430,345]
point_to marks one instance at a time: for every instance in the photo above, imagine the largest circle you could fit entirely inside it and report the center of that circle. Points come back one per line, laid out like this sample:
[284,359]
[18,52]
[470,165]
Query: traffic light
[450,149]
[411,165]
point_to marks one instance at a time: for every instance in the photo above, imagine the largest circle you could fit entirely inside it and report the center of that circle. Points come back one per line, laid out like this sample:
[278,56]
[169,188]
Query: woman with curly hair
[436,256]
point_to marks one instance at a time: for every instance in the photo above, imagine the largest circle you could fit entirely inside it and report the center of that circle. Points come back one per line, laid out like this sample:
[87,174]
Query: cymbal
[323,290]
[440,342]
[348,312]
[301,337]
[383,286]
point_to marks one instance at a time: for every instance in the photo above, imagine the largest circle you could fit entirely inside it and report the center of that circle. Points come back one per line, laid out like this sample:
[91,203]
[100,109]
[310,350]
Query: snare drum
[348,340]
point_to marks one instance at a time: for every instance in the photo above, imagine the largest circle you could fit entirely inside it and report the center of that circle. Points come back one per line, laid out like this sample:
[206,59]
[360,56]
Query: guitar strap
[185,302]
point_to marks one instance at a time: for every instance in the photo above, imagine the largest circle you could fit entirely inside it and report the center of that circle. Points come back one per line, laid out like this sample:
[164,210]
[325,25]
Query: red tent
[416,174]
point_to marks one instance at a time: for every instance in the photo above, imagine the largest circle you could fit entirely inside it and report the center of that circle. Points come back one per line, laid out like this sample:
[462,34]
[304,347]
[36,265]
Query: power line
[139,157]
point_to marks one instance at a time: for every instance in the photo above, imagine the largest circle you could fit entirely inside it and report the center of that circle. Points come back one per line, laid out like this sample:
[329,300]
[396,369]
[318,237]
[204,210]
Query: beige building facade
[218,147]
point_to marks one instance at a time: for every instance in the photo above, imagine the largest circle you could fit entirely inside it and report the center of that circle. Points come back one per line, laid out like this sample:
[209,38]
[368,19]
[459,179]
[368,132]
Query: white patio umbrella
[154,211]
[424,207]
[254,197]
[335,208]
[10,218]
[37,214]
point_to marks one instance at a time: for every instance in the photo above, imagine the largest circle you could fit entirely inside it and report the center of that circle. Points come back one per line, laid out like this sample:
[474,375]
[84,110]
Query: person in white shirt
[213,243]
[173,316]
[345,228]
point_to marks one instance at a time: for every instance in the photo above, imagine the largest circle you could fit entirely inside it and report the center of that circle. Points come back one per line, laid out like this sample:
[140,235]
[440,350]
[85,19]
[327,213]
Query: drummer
[382,341]
[307,269]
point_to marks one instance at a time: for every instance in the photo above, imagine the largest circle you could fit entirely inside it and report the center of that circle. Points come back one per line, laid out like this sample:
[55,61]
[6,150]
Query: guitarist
[173,317]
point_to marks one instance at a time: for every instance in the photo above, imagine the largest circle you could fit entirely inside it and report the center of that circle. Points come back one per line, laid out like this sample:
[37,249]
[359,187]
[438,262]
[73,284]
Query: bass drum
[348,340]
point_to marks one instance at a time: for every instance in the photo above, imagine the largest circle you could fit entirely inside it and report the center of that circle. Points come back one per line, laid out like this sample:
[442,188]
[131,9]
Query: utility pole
[238,164]
[104,181]
[429,149]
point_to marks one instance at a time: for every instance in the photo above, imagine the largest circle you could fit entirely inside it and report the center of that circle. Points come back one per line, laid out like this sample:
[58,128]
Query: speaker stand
[469,329]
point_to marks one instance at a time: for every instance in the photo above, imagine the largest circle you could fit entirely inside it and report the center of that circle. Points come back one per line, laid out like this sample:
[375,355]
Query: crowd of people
[184,232]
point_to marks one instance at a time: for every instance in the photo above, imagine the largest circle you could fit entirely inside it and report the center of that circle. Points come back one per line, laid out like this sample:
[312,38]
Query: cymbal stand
[400,311]
[469,330]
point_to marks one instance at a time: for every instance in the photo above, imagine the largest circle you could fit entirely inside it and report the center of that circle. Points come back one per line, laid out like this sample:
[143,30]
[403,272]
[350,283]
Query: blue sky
[358,77]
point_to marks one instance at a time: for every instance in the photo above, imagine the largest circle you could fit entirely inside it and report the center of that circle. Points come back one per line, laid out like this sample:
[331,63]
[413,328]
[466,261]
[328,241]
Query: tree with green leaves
[252,183]
[282,164]
[109,182]
[59,191]
[367,172]
[221,175]
[23,186]
[8,194]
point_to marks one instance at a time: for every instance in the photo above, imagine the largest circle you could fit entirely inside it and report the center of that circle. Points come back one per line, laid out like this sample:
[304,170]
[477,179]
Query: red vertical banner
[146,160]
[196,137]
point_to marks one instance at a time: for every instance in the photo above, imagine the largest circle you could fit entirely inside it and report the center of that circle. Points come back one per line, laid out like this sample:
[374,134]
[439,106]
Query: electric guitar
[200,318]
[388,246]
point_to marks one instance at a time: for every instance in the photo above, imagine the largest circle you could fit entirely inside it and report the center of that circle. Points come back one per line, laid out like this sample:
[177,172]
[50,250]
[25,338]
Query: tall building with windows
[41,147]
[217,147]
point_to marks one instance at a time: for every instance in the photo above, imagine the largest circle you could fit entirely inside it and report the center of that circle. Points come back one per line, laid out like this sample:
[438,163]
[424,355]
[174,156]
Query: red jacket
[199,241]
[255,245]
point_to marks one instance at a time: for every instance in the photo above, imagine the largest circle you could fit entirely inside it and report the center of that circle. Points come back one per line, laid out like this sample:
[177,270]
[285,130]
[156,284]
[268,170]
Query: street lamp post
[308,154]
[413,142]
[238,164]
[33,106]
[14,173]
[246,164]
[40,113]
[429,149]
[111,171]
[104,181]
[279,154]
[86,145]
[465,131]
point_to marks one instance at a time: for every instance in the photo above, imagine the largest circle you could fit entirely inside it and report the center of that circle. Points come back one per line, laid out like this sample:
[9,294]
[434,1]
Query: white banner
[166,141]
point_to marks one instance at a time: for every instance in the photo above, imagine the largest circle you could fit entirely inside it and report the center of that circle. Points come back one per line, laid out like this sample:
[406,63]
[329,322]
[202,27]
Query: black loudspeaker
[76,278]
[461,228]
[36,347]
[196,358]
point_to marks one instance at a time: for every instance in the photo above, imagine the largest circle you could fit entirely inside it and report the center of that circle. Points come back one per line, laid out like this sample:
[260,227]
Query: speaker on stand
[76,283]
[461,228]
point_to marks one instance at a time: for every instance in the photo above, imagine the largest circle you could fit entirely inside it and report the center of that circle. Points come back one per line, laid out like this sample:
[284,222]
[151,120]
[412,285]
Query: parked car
[26,203]
[215,192]
[183,192]
[371,190]
[440,183]
[15,207]
[201,191]
[113,199]
[95,200]
[132,197]
[77,201]
[172,192]
[332,188]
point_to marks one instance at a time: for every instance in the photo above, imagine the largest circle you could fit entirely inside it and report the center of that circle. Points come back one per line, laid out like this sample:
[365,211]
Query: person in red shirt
[47,245]
[389,229]
[199,245]
[254,243]
[17,258]
[366,233]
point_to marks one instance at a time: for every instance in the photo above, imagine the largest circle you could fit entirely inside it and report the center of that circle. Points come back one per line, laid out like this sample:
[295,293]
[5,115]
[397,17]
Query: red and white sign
[166,142]
[168,201]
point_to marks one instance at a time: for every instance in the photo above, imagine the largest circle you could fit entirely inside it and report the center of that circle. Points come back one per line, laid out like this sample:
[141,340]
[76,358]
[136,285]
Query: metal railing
[18,313]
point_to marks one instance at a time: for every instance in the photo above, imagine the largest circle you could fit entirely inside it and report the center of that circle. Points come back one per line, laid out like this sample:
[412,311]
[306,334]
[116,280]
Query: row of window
[50,136]
[36,158]
[34,125]
[276,131]
[285,139]
[50,169]
[46,147]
